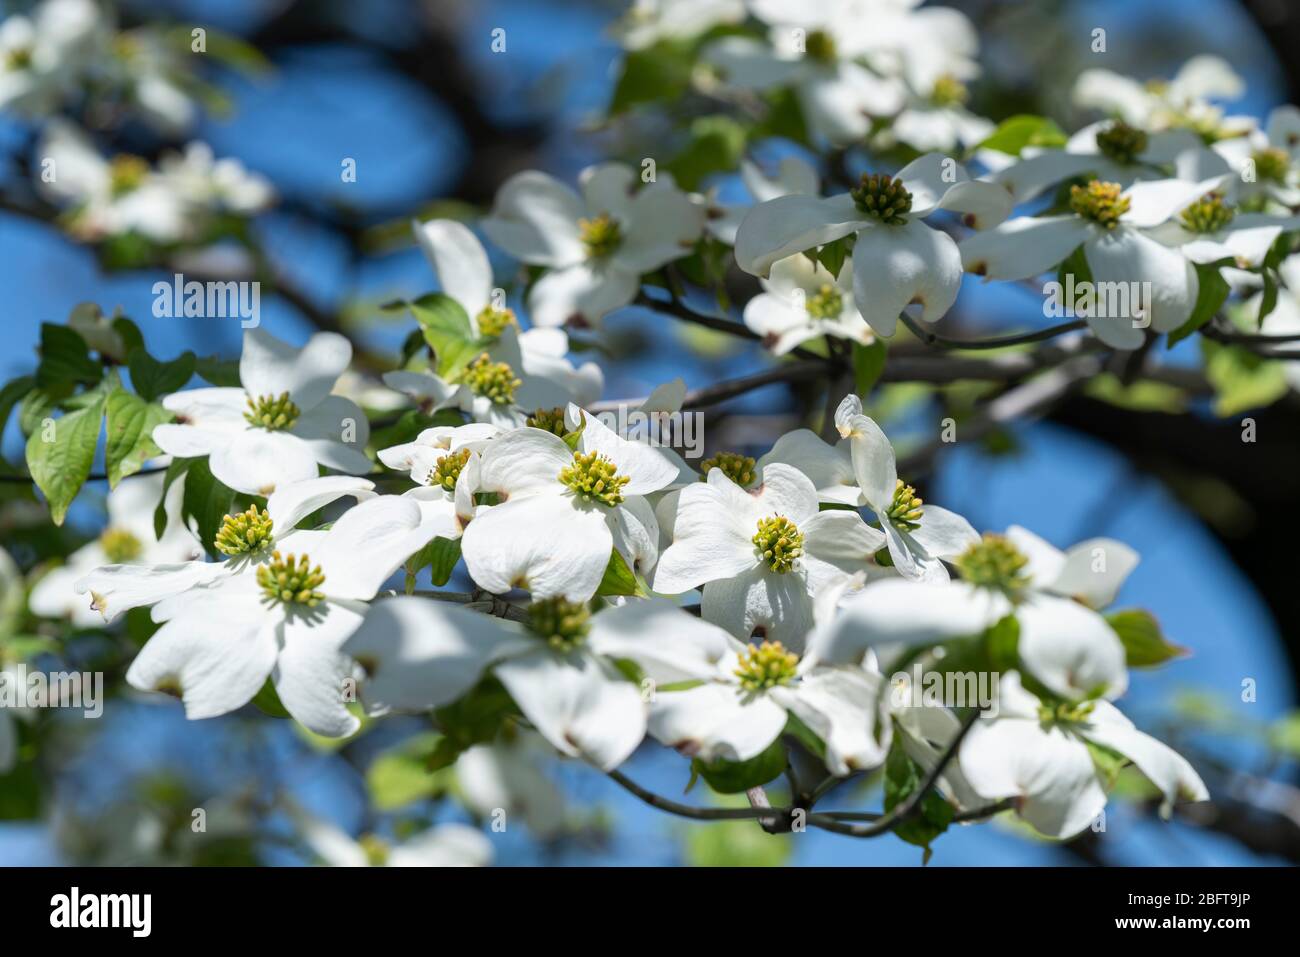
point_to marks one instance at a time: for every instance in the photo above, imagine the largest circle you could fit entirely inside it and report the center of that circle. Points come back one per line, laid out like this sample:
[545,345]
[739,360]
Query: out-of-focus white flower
[1039,756]
[898,260]
[801,300]
[44,57]
[597,245]
[816,49]
[504,776]
[205,182]
[107,197]
[128,540]
[650,21]
[280,425]
[1161,105]
[937,119]
[444,845]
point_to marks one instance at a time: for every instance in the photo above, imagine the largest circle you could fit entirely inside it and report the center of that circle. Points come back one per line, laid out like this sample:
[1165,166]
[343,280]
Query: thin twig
[909,805]
[998,342]
[687,810]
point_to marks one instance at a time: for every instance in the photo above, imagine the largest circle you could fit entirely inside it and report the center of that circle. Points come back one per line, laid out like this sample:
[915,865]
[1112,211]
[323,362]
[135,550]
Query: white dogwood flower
[817,50]
[753,691]
[284,617]
[1039,755]
[1111,151]
[43,57]
[443,845]
[127,541]
[493,388]
[650,21]
[1111,225]
[280,425]
[794,176]
[1063,643]
[939,120]
[1180,102]
[246,539]
[801,300]
[562,510]
[208,184]
[421,457]
[919,536]
[897,259]
[461,264]
[596,246]
[109,197]
[419,655]
[761,556]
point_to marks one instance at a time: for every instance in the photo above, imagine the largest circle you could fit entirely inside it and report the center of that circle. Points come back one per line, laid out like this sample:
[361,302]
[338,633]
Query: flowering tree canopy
[467,534]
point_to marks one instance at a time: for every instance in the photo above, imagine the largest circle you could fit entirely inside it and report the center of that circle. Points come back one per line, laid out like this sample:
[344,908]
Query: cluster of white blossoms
[749,612]
[815,564]
[66,53]
[180,200]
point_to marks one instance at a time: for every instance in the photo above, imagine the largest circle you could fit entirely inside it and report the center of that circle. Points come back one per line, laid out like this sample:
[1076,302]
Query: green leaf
[223,373]
[130,422]
[868,364]
[1139,633]
[1015,133]
[1002,643]
[717,145]
[1210,297]
[13,392]
[175,470]
[1141,396]
[401,775]
[1242,379]
[441,555]
[477,718]
[60,467]
[446,329]
[659,72]
[832,255]
[65,359]
[733,777]
[1107,762]
[267,700]
[736,844]
[902,777]
[619,579]
[152,378]
[130,334]
[206,500]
